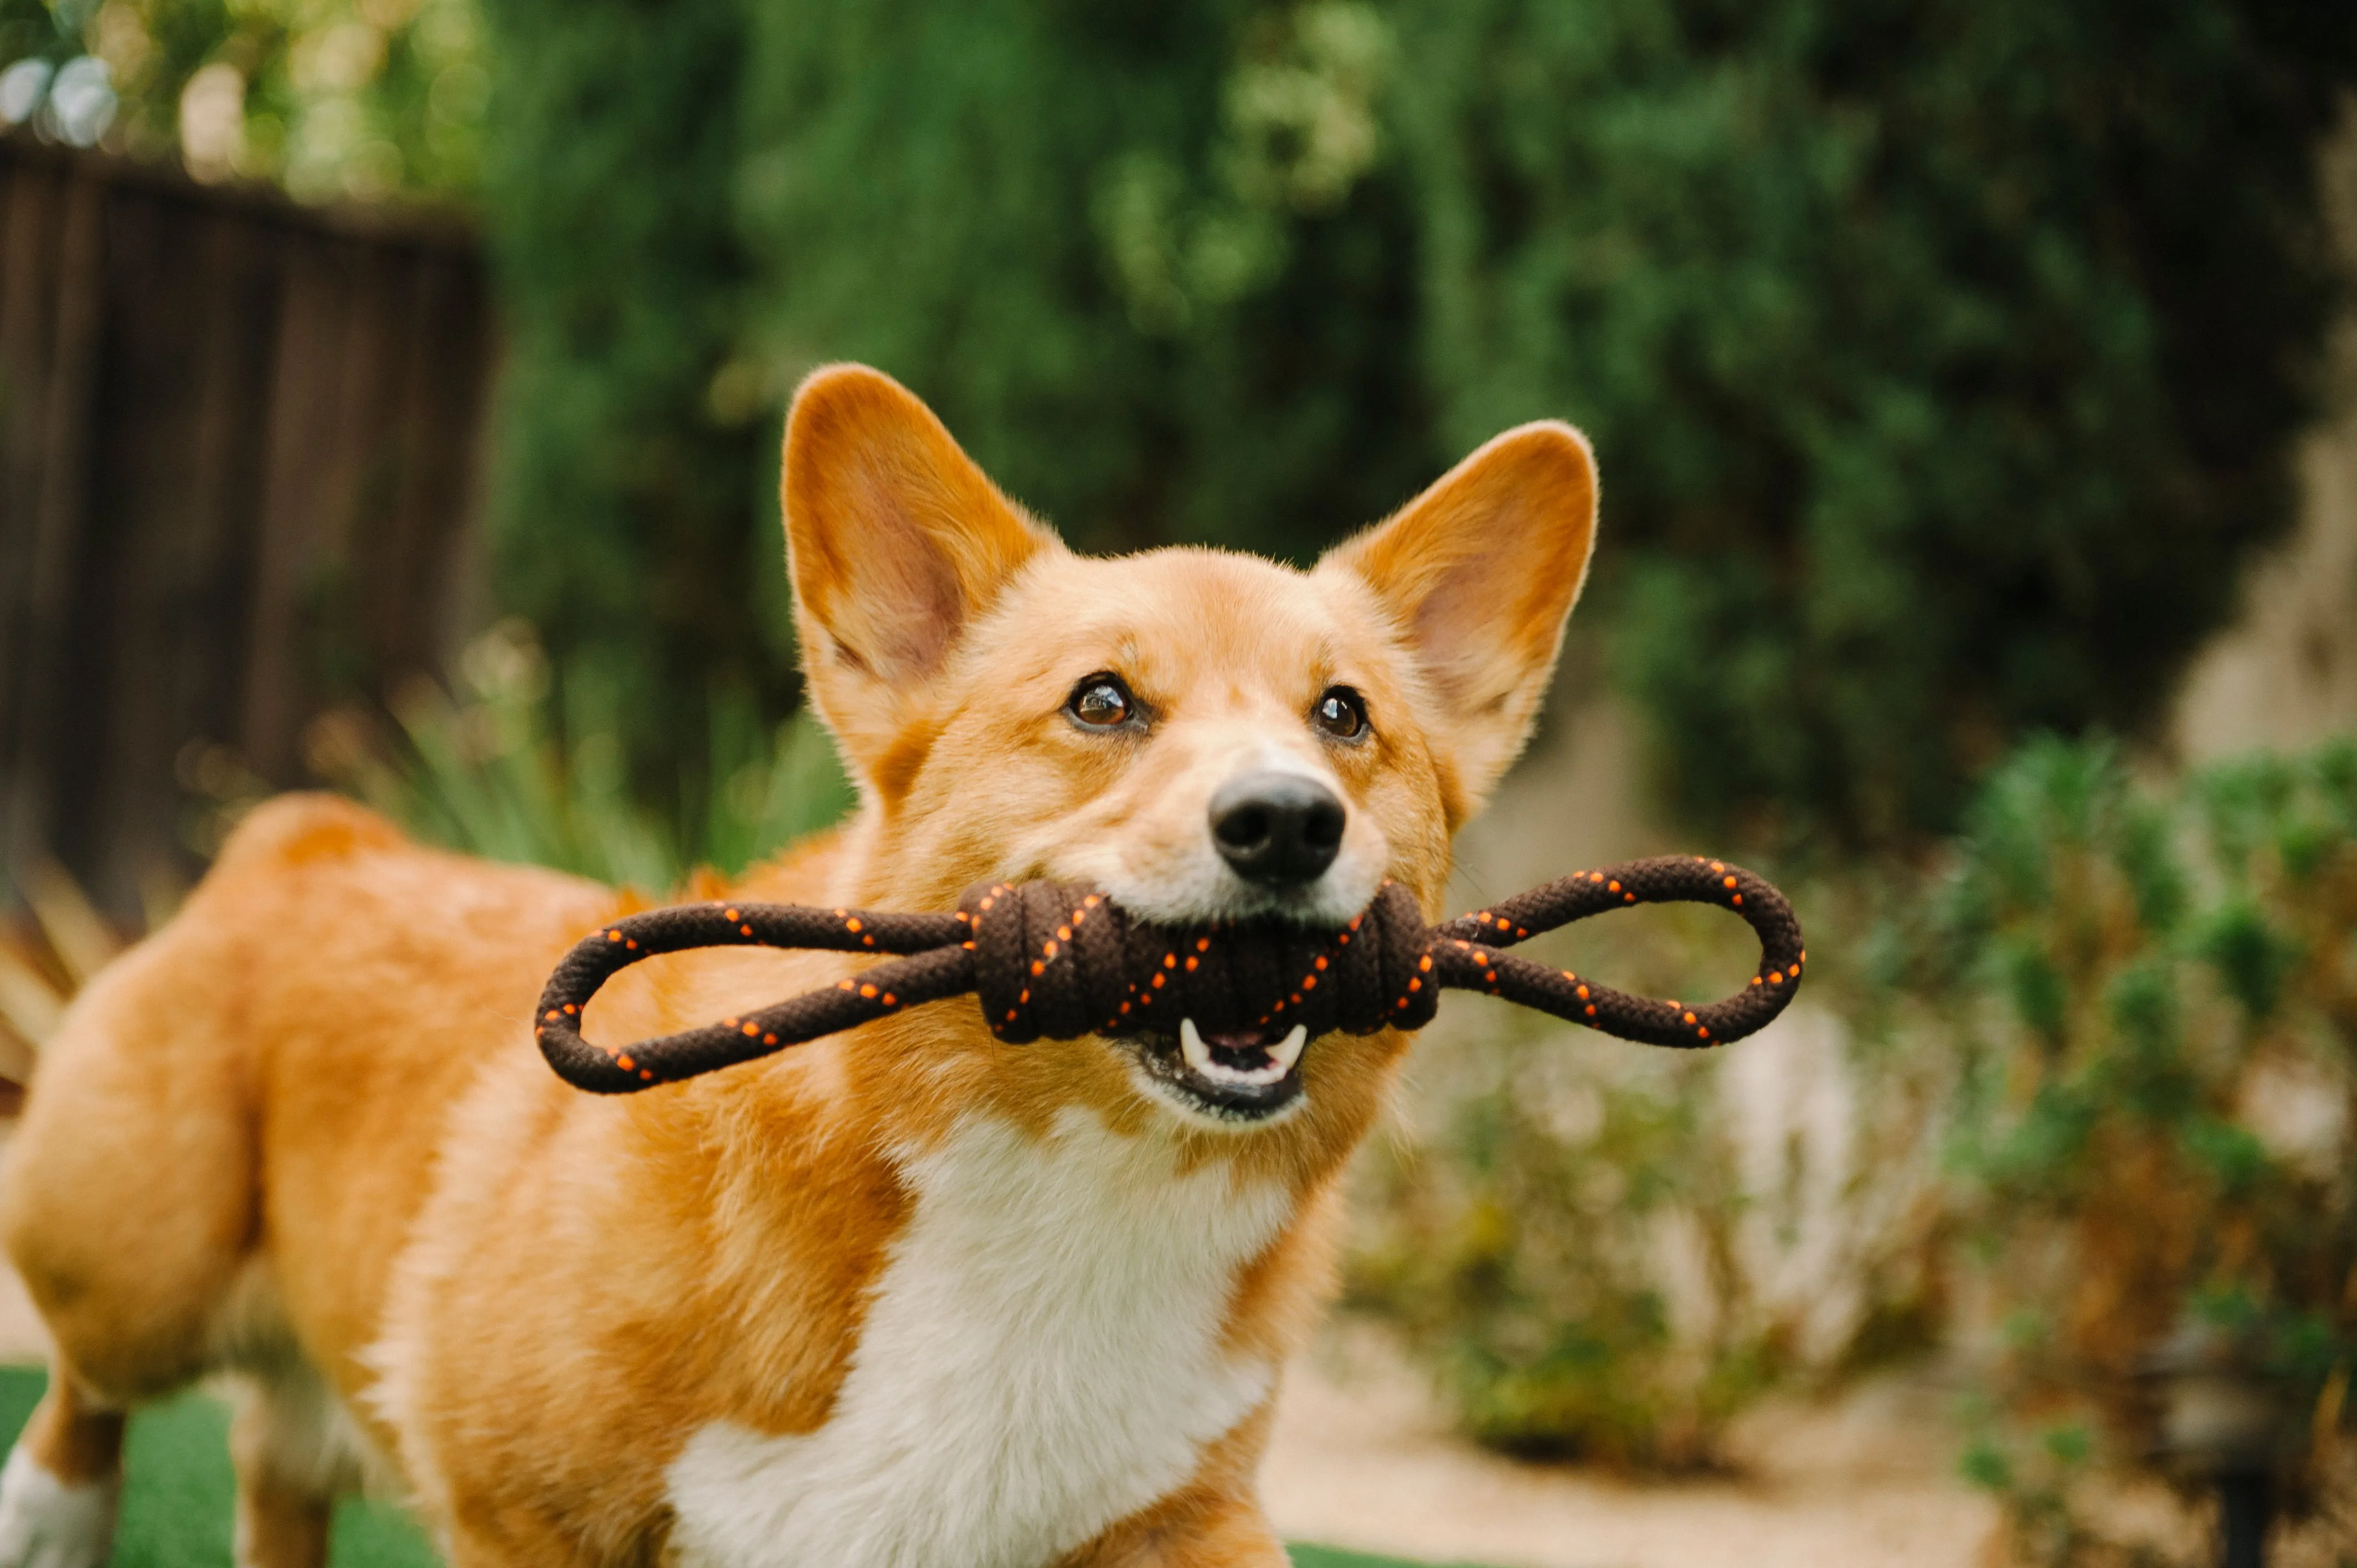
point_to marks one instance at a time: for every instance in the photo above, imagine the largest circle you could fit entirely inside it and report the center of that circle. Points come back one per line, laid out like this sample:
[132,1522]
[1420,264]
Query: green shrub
[1940,356]
[2095,1074]
[1150,262]
[630,520]
[330,98]
[1563,1230]
[2155,1026]
[1943,357]
[1520,1250]
[503,771]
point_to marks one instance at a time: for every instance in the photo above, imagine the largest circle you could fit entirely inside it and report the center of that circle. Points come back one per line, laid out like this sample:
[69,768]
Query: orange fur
[302,1134]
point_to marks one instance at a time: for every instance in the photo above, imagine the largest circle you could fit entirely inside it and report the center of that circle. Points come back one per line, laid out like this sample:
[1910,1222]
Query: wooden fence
[238,443]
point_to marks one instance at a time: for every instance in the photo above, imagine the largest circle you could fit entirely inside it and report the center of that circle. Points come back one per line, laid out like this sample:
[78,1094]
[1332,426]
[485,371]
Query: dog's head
[1206,736]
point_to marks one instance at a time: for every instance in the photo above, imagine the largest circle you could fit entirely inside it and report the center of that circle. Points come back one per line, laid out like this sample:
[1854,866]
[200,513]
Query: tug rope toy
[1057,961]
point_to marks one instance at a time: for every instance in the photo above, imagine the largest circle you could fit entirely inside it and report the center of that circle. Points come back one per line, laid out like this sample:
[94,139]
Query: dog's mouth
[1236,1077]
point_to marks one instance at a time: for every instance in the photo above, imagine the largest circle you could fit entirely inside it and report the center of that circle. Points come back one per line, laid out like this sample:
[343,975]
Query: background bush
[1529,1249]
[1943,357]
[499,769]
[2156,1028]
[1940,356]
[2090,1075]
[1611,1253]
[359,99]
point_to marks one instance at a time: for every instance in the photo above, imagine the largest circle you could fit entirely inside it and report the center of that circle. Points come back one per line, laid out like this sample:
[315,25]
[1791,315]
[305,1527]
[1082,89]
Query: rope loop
[1053,960]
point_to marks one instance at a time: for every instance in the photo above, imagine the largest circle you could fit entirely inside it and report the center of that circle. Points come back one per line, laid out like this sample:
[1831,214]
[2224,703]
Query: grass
[176,1506]
[1334,1557]
[177,1501]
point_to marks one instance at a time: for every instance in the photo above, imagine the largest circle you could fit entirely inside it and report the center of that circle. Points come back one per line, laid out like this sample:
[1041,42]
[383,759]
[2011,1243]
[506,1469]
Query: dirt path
[1360,1460]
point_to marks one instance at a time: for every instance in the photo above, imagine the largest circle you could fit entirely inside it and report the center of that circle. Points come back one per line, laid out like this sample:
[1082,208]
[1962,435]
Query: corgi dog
[903,1297]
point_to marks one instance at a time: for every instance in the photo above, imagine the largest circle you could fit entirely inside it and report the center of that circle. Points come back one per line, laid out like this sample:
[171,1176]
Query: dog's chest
[1042,1358]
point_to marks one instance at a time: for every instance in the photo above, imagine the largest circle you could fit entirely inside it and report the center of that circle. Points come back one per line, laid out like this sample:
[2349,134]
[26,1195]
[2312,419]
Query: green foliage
[1568,1235]
[2159,1128]
[1940,356]
[2037,1473]
[1522,1252]
[35,29]
[2098,1077]
[332,98]
[1141,258]
[502,772]
[627,517]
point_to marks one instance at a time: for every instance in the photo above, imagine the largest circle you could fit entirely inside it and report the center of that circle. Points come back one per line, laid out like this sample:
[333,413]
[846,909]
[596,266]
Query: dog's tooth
[1191,1047]
[1198,1053]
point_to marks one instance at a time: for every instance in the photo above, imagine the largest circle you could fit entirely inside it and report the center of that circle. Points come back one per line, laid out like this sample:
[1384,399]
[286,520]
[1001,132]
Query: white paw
[44,1523]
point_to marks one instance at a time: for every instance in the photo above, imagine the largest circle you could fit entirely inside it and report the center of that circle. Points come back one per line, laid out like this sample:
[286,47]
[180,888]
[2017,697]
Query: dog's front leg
[1187,1531]
[1212,1522]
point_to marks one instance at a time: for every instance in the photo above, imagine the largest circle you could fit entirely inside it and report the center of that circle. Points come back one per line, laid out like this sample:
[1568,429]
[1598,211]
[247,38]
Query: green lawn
[176,1509]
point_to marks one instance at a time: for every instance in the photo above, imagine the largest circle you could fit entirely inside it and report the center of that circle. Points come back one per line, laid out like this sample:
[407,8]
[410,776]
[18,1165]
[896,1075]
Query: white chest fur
[1041,1359]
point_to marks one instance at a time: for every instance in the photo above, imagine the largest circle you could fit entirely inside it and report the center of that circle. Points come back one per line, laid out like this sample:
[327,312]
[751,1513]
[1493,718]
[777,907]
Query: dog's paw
[46,1523]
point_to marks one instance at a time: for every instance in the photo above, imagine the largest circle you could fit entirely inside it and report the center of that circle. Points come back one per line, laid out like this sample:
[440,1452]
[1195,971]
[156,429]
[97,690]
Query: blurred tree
[29,28]
[625,510]
[1078,233]
[2151,1001]
[1943,357]
[332,98]
[1142,258]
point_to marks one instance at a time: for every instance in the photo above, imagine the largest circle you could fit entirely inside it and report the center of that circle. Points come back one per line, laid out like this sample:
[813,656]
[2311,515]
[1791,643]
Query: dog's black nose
[1276,827]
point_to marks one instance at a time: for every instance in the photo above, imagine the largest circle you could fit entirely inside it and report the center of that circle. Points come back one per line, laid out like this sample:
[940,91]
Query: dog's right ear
[895,542]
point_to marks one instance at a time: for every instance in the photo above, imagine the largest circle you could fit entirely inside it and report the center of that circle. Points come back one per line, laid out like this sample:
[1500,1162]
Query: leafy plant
[500,770]
[2157,1021]
[629,511]
[1581,1241]
[330,98]
[1941,357]
[1928,413]
[1522,1251]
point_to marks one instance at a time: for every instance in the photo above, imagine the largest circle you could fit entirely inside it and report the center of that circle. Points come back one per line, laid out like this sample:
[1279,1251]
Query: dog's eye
[1101,702]
[1341,713]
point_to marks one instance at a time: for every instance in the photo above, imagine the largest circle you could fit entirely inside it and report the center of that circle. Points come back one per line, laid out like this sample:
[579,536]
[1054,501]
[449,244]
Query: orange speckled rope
[1059,962]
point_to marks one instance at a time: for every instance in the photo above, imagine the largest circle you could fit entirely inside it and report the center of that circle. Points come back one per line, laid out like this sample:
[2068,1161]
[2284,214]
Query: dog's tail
[48,952]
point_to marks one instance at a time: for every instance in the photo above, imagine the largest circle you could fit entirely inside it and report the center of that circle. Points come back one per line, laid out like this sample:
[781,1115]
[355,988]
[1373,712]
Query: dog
[903,1296]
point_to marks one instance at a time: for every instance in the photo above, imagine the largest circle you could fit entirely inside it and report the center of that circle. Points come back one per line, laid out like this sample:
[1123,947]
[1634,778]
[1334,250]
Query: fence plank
[59,496]
[29,233]
[237,491]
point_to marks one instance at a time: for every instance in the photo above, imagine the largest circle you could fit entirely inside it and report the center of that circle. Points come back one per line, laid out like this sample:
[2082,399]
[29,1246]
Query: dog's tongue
[1253,1056]
[1242,1042]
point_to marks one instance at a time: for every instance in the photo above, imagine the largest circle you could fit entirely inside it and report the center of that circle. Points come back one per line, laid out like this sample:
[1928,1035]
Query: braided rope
[1050,961]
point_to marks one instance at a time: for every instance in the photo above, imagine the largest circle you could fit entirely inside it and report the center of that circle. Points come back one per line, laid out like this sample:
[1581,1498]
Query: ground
[1362,1458]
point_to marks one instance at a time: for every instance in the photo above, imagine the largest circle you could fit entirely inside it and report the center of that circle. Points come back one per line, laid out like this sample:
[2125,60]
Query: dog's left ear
[1478,574]
[895,542]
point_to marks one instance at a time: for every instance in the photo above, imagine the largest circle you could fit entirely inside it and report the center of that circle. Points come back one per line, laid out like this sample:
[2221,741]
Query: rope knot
[1051,961]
